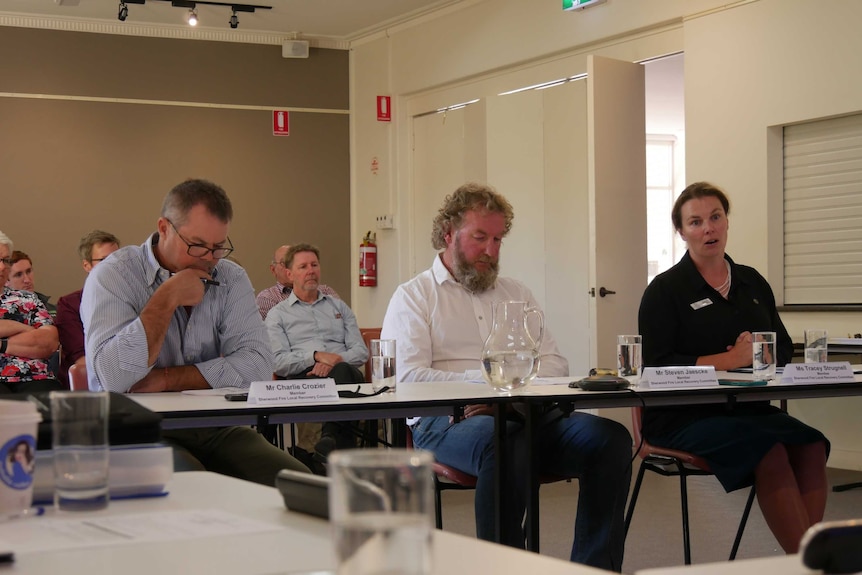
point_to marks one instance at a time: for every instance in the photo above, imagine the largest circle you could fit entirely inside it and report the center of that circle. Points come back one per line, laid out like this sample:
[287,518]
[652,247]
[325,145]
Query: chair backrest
[369,333]
[78,377]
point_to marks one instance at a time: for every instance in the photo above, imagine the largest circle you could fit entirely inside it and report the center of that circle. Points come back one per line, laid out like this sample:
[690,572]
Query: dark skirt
[733,443]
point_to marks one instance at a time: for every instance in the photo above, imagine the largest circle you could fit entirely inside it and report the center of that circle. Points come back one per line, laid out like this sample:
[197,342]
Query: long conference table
[444,398]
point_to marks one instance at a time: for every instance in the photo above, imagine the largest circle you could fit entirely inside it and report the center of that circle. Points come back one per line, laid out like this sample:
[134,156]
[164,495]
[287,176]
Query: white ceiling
[332,20]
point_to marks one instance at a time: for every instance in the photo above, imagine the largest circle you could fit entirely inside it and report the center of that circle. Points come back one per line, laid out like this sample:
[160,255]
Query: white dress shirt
[440,326]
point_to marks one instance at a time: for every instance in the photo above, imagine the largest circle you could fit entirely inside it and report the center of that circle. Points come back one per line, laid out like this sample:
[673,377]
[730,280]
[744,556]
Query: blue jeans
[595,450]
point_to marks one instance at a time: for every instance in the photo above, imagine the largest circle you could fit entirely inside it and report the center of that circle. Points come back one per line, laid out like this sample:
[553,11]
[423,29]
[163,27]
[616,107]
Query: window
[663,247]
[823,212]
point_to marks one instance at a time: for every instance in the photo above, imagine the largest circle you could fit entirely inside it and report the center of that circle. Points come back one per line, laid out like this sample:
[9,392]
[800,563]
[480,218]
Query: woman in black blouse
[702,312]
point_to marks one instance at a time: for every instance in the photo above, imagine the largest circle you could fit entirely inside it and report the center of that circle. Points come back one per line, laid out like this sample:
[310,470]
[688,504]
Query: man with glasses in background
[173,314]
[93,248]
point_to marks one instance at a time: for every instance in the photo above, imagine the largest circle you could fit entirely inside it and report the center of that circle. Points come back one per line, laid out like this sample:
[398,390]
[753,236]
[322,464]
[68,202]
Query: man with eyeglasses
[27,335]
[274,295]
[93,249]
[173,314]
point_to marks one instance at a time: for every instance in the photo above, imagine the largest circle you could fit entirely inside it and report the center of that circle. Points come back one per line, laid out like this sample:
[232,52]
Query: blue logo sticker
[18,462]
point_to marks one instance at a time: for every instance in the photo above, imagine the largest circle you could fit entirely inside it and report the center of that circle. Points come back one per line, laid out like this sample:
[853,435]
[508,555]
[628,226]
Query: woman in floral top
[27,335]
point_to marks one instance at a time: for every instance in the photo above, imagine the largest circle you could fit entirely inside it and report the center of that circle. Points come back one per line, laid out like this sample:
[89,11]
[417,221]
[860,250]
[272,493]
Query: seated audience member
[21,278]
[173,314]
[93,248]
[315,335]
[440,320]
[703,311]
[273,295]
[28,337]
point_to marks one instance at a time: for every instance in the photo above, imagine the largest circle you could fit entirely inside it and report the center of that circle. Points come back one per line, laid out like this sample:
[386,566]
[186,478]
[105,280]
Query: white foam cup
[19,424]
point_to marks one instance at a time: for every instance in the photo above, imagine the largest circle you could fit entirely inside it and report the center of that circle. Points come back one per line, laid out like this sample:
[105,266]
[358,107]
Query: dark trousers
[343,432]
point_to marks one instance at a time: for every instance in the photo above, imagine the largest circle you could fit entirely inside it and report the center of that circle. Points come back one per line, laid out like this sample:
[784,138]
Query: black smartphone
[236,396]
[304,492]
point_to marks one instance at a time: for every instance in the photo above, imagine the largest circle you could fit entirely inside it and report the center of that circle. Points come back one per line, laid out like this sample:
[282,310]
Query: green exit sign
[580,4]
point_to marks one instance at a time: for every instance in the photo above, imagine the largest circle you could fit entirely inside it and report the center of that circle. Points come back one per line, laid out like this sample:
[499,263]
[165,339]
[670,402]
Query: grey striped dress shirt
[223,337]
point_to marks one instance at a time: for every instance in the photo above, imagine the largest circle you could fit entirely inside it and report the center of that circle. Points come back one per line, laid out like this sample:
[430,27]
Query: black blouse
[682,317]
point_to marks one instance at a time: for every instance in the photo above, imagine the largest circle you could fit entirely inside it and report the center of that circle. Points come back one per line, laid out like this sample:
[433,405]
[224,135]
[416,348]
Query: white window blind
[823,212]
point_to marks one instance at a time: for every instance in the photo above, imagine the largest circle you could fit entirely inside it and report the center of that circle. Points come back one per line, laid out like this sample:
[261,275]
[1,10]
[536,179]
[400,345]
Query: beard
[467,275]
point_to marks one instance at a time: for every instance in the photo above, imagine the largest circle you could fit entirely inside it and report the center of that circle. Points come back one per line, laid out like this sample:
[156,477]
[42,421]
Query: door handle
[603,292]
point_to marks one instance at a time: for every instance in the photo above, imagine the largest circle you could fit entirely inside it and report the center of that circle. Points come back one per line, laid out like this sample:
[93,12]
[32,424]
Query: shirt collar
[292,299]
[282,289]
[441,273]
[697,280]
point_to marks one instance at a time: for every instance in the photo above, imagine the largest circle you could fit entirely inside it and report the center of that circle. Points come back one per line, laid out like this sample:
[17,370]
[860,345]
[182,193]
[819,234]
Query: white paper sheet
[50,533]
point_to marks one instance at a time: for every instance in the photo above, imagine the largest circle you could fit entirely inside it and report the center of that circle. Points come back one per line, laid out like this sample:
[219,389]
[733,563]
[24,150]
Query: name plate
[670,377]
[292,391]
[831,372]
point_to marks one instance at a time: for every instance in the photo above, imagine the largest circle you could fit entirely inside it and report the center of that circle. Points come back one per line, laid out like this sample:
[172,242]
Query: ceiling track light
[123,11]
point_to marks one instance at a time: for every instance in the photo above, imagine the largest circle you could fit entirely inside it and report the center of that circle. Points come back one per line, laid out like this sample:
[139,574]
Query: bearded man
[440,320]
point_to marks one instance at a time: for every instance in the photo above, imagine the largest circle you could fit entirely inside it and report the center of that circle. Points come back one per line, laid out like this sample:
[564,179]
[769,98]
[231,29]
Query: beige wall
[97,128]
[749,65]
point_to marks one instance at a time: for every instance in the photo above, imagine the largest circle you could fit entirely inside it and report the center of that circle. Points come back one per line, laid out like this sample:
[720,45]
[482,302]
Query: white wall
[749,66]
[764,64]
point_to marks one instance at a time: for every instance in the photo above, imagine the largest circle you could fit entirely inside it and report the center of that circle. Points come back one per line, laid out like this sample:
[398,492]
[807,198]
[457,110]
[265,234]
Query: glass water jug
[510,356]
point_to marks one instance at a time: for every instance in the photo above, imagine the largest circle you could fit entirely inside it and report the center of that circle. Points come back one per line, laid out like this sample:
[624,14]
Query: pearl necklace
[724,288]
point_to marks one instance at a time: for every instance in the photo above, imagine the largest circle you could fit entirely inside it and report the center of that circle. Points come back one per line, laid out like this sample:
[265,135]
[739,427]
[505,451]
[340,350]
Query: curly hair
[470,196]
[695,191]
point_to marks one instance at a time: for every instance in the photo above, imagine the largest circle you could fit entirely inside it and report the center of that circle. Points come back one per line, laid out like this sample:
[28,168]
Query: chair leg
[438,505]
[742,523]
[686,539]
[634,497]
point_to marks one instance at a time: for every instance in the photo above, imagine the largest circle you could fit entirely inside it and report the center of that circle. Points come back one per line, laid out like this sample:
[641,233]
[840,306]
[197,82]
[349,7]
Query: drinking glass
[763,354]
[80,433]
[383,364]
[630,357]
[815,346]
[381,506]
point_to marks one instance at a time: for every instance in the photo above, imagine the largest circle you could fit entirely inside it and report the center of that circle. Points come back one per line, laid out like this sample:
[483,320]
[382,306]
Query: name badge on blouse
[702,303]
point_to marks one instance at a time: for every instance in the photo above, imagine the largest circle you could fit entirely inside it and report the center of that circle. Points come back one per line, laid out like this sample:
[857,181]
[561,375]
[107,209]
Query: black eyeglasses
[200,250]
[97,260]
[7,261]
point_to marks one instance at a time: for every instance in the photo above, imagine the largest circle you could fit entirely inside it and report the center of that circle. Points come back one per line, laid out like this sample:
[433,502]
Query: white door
[617,192]
[571,159]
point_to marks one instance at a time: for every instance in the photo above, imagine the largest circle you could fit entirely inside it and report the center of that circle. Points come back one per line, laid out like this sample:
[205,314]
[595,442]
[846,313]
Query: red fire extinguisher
[368,261]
